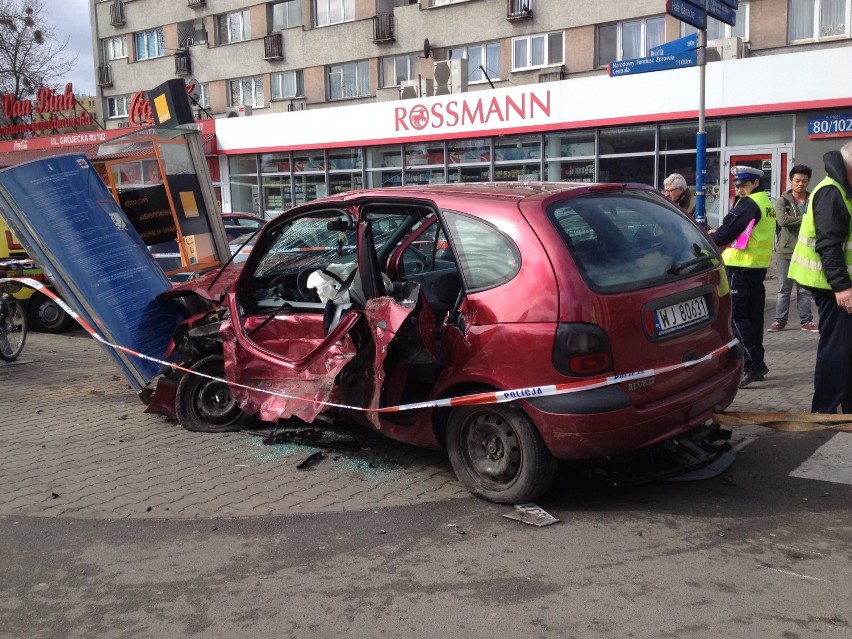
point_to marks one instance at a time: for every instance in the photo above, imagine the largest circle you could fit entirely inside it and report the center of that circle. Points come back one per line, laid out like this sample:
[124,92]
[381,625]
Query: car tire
[46,316]
[205,405]
[498,454]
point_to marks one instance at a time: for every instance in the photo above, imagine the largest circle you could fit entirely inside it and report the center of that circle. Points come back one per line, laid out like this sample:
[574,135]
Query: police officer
[822,262]
[748,231]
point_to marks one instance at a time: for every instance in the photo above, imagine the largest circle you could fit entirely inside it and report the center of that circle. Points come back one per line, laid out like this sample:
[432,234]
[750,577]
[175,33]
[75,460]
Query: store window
[809,20]
[384,166]
[287,84]
[149,44]
[115,48]
[627,139]
[537,51]
[328,12]
[344,170]
[233,27]
[629,39]
[640,142]
[246,92]
[424,163]
[117,106]
[485,55]
[717,29]
[469,160]
[348,80]
[570,156]
[245,195]
[286,15]
[682,136]
[776,129]
[309,176]
[396,69]
[517,158]
[275,183]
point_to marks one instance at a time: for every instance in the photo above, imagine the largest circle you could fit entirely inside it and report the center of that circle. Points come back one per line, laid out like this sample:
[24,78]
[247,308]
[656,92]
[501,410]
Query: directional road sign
[685,12]
[731,3]
[656,63]
[680,45]
[722,12]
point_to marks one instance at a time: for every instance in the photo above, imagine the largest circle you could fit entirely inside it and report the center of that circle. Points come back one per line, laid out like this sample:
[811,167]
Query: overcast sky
[71,18]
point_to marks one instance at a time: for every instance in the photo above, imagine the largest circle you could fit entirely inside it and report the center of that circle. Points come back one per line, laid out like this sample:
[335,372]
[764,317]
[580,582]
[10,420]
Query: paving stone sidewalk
[75,442]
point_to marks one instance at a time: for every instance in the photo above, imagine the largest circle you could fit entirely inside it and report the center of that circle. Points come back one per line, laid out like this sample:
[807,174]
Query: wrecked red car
[585,320]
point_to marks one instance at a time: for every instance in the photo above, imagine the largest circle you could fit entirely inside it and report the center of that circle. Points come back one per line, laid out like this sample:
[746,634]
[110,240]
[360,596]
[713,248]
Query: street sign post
[688,13]
[656,63]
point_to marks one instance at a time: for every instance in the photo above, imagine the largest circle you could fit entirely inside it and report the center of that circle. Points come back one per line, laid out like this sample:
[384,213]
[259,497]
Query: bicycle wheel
[13,328]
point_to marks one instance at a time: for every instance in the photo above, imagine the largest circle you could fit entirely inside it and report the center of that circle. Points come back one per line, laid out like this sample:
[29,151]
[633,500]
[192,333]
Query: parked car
[237,224]
[360,303]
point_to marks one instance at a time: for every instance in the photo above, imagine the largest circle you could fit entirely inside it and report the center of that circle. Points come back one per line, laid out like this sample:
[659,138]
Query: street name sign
[680,45]
[686,12]
[722,12]
[734,4]
[655,63]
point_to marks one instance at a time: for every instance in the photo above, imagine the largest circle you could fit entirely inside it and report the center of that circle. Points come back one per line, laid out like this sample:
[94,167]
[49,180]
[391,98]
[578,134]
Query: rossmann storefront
[636,128]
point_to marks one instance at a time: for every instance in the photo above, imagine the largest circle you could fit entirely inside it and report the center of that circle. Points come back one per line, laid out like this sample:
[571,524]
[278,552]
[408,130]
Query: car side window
[430,252]
[485,255]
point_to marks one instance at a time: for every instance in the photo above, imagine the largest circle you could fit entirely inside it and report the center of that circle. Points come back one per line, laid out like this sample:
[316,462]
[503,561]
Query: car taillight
[582,350]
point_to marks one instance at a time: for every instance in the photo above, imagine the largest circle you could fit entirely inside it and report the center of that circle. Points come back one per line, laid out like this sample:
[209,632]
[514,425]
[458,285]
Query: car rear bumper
[600,424]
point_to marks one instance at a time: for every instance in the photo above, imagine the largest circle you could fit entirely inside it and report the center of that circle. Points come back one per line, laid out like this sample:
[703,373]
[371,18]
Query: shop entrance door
[774,162]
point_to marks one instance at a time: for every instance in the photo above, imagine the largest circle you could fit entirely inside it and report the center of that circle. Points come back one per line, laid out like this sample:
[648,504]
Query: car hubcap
[493,448]
[216,403]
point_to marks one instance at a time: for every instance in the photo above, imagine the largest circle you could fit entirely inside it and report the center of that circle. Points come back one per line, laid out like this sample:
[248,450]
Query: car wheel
[206,405]
[498,454]
[46,316]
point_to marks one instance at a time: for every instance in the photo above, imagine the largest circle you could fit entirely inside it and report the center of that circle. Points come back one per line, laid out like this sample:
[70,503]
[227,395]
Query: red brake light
[582,350]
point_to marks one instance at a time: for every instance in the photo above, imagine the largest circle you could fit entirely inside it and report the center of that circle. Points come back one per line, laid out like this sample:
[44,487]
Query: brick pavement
[75,442]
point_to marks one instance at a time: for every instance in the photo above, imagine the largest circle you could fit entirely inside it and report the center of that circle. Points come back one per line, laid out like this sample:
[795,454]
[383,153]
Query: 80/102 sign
[830,126]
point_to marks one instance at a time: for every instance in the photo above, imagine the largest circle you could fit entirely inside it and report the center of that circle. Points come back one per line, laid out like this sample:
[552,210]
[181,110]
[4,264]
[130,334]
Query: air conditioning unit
[450,76]
[237,111]
[728,49]
[416,88]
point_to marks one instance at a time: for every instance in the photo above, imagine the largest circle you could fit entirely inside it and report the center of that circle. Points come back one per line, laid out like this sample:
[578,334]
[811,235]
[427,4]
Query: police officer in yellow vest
[822,262]
[748,231]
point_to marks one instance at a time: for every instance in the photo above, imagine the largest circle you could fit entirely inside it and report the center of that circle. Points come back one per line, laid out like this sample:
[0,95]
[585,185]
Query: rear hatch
[651,279]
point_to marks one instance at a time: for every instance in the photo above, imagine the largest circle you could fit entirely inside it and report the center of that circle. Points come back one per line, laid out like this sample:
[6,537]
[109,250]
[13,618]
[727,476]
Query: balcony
[383,28]
[553,75]
[116,14]
[104,75]
[517,10]
[183,63]
[297,105]
[273,46]
[195,4]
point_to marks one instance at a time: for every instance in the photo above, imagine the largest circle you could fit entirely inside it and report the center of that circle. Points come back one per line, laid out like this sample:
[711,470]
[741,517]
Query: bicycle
[13,320]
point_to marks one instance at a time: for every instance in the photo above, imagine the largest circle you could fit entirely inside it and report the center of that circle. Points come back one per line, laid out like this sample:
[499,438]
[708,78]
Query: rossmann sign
[494,111]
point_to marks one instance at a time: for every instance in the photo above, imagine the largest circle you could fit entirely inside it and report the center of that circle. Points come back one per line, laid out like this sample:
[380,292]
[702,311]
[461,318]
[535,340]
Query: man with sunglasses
[747,232]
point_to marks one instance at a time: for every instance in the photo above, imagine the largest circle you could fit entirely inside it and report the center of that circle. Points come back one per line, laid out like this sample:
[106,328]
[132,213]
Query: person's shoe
[810,327]
[776,326]
[748,378]
[761,374]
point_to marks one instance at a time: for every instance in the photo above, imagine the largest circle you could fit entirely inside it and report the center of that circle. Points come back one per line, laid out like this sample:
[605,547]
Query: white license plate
[681,315]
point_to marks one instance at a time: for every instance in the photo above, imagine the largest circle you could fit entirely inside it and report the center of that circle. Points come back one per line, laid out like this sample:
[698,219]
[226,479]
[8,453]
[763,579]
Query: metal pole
[701,137]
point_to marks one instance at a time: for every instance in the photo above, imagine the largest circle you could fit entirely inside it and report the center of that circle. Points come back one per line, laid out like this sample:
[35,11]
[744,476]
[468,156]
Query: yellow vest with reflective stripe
[805,265]
[758,251]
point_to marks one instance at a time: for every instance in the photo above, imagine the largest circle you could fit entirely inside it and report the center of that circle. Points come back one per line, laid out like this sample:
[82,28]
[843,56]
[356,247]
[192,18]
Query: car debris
[531,514]
[310,460]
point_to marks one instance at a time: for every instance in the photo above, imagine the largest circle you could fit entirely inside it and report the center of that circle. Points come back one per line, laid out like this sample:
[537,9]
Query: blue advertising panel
[722,12]
[69,223]
[686,12]
[830,126]
[658,63]
[688,43]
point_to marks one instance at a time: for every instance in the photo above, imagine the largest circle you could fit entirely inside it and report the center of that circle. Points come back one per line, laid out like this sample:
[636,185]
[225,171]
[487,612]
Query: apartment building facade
[307,94]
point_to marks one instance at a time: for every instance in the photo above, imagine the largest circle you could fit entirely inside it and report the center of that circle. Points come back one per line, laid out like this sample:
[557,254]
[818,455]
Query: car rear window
[629,240]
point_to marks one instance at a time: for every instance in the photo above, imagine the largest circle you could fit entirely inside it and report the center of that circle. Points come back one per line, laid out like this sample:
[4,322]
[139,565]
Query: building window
[286,14]
[348,80]
[438,3]
[479,56]
[536,51]
[287,84]
[396,69]
[233,27]
[246,92]
[117,106]
[629,39]
[115,48]
[817,19]
[717,29]
[204,98]
[149,44]
[328,12]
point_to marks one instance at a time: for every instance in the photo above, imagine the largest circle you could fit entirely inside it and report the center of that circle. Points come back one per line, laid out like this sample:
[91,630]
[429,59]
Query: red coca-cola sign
[140,106]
